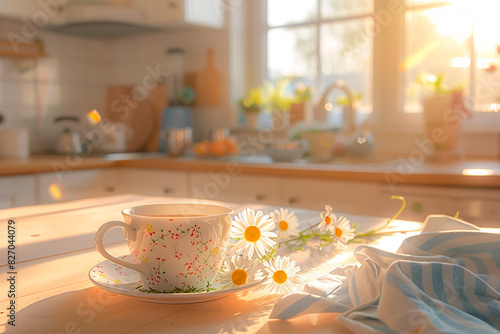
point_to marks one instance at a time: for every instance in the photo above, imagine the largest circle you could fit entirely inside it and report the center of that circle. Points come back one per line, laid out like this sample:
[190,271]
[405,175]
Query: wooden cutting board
[159,101]
[208,84]
[138,115]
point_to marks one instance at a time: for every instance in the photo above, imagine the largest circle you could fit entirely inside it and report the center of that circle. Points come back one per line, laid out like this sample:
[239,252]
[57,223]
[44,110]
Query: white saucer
[124,281]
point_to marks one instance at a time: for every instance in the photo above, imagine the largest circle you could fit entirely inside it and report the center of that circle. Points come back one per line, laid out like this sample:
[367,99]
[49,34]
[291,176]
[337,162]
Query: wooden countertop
[396,172]
[53,293]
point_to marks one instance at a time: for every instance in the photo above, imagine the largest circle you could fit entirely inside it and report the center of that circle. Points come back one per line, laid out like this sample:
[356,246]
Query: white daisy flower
[342,231]
[287,223]
[239,271]
[255,231]
[282,275]
[326,218]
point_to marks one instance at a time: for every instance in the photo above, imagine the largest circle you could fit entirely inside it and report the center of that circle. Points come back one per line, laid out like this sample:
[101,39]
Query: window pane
[292,53]
[346,54]
[340,8]
[280,12]
[487,42]
[437,42]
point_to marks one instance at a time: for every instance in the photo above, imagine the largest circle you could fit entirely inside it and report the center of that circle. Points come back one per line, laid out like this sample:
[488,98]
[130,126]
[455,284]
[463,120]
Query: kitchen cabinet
[223,186]
[475,205]
[141,16]
[171,13]
[19,9]
[153,182]
[70,185]
[17,191]
[344,196]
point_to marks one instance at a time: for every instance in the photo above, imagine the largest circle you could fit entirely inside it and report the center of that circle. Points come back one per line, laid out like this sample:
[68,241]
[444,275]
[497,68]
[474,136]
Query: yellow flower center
[215,251]
[338,232]
[328,220]
[252,233]
[279,276]
[239,277]
[283,225]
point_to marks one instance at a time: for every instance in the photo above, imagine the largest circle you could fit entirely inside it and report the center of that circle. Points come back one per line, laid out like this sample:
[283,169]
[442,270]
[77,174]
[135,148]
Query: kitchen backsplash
[75,76]
[71,80]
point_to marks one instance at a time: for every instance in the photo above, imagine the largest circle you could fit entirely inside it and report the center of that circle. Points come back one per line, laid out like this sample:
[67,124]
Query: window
[380,47]
[310,41]
[458,40]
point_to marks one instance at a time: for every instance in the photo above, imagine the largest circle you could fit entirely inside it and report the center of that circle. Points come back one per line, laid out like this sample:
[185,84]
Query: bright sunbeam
[477,172]
[418,56]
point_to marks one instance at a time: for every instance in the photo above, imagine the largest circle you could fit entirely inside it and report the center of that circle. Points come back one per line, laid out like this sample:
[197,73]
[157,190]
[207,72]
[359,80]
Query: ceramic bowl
[285,150]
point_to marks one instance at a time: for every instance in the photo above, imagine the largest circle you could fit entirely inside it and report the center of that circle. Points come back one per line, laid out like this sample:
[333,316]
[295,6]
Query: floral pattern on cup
[196,267]
[173,246]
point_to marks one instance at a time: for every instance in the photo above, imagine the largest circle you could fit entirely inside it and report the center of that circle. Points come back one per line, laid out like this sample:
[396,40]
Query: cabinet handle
[109,189]
[168,190]
[293,200]
[260,197]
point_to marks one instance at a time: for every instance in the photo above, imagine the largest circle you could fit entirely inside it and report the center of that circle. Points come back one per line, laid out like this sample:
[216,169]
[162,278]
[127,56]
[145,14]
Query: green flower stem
[327,237]
[302,234]
[374,232]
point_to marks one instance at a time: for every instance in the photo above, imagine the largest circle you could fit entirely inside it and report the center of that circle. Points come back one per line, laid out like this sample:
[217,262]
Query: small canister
[14,143]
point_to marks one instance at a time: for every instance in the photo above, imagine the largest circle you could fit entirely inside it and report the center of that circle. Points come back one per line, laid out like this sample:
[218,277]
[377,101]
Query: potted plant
[443,111]
[279,101]
[252,105]
[301,108]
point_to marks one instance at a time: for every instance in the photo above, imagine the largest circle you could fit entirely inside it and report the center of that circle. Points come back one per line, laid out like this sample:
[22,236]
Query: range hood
[101,20]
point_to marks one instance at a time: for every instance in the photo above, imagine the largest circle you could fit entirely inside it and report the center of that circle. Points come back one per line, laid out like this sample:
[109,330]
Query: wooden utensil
[159,101]
[209,83]
[138,115]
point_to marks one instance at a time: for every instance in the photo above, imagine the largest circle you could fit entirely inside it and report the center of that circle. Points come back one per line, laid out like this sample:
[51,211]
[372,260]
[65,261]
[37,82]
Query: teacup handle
[131,235]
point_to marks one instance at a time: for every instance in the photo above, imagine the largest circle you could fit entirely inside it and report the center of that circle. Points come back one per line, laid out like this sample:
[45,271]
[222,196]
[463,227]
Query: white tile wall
[131,56]
[72,80]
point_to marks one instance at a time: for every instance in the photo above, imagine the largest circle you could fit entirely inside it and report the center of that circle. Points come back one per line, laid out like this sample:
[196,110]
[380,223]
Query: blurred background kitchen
[395,96]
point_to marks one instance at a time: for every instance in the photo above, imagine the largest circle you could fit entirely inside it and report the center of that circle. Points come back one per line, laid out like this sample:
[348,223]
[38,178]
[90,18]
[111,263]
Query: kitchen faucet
[349,116]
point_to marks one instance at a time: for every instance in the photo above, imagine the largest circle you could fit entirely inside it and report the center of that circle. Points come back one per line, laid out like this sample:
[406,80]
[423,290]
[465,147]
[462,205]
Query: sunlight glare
[56,191]
[94,116]
[418,56]
[477,172]
[494,107]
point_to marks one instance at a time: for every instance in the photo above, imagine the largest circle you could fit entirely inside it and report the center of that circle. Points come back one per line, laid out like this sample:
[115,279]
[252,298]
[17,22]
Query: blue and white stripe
[437,282]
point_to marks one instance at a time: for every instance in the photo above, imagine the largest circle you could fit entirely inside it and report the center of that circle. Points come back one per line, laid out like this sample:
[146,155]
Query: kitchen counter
[54,293]
[370,170]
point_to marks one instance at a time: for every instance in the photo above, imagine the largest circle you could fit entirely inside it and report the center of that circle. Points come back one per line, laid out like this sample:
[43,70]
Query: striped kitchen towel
[444,280]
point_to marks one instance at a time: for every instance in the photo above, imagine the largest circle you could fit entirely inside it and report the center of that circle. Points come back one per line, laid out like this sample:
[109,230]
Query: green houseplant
[443,110]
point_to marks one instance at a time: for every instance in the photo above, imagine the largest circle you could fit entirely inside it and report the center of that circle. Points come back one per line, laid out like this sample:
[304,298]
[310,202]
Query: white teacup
[173,246]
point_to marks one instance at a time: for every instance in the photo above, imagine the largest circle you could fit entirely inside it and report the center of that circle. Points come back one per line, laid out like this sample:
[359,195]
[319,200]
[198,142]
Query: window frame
[388,82]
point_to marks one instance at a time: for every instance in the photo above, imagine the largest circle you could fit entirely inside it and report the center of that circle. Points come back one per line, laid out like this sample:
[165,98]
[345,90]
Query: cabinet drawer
[72,185]
[153,182]
[17,191]
[237,188]
[344,196]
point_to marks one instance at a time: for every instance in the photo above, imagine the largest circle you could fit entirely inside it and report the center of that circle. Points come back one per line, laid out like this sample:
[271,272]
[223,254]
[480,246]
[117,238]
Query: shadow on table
[94,310]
